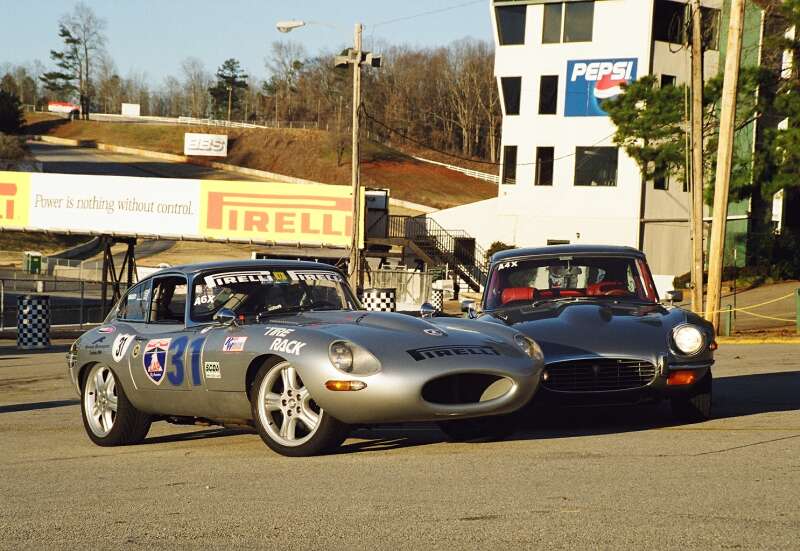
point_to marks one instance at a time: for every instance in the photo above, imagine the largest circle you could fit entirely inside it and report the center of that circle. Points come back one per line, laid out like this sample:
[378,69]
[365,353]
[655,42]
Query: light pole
[356,58]
[230,97]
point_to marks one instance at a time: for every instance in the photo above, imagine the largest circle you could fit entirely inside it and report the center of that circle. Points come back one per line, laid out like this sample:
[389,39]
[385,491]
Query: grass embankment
[307,154]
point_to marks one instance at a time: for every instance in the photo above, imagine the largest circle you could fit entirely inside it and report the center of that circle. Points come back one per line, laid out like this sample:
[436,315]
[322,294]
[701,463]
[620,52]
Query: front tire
[696,407]
[108,416]
[488,429]
[286,416]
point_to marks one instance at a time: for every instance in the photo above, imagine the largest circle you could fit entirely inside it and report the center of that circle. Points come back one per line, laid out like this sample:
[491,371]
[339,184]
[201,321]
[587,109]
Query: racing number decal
[176,359]
[196,350]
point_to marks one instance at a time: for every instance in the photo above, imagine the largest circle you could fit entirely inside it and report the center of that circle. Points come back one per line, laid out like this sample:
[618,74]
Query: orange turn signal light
[713,346]
[343,386]
[677,378]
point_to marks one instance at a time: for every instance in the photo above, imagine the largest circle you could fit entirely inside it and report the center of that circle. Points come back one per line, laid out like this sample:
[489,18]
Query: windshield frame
[639,262]
[198,277]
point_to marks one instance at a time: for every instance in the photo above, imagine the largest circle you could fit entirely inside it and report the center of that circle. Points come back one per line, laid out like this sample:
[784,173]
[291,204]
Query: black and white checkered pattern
[437,299]
[33,322]
[380,300]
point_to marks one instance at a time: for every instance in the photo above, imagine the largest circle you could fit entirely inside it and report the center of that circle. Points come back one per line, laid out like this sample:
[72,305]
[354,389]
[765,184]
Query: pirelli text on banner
[318,214]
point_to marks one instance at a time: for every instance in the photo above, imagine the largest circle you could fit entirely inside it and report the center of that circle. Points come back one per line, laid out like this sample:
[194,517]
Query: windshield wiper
[278,312]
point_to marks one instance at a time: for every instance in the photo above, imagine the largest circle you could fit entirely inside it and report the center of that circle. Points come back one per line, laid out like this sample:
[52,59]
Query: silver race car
[284,347]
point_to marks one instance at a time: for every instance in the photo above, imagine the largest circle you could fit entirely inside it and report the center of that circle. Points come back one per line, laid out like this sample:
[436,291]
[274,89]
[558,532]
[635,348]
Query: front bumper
[396,394]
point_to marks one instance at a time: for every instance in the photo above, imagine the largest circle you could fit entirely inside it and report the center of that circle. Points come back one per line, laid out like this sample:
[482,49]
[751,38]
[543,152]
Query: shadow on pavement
[735,396]
[38,405]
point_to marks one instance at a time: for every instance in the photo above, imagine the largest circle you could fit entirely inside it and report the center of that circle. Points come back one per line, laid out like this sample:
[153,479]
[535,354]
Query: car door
[161,359]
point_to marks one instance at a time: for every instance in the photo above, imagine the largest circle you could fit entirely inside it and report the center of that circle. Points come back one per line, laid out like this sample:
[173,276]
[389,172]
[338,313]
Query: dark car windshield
[259,293]
[554,278]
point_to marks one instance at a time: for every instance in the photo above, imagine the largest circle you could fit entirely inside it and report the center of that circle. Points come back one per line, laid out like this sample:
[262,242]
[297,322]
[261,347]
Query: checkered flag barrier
[380,300]
[33,322]
[437,299]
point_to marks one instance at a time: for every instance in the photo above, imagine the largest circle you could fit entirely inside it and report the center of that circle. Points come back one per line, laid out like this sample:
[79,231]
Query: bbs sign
[208,145]
[592,82]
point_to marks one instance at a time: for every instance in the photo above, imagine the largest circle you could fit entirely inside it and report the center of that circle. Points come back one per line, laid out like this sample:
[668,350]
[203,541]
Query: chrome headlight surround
[688,339]
[352,359]
[528,346]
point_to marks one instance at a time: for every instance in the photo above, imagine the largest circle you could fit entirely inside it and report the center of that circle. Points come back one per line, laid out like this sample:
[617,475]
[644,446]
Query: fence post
[81,306]
[2,304]
[727,322]
[797,308]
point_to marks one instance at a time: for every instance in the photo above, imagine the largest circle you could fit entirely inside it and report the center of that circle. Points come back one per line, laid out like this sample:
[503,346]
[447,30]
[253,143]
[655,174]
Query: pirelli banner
[210,210]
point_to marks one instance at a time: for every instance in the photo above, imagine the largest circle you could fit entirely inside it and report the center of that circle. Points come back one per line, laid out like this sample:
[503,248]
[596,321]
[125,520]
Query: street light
[356,58]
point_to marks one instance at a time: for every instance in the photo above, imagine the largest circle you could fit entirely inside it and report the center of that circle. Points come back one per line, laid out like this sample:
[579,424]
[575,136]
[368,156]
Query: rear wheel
[497,427]
[108,417]
[286,416]
[697,406]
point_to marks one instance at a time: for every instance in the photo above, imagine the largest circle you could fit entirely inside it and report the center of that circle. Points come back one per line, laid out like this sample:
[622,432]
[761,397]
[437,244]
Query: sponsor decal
[120,347]
[287,346]
[508,264]
[241,210]
[212,370]
[204,299]
[314,275]
[154,359]
[212,145]
[592,82]
[434,333]
[14,198]
[229,278]
[278,332]
[107,329]
[136,350]
[234,344]
[434,352]
[280,276]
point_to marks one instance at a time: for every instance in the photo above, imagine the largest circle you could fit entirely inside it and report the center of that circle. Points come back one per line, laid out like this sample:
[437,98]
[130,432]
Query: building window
[512,92]
[511,24]
[596,166]
[544,166]
[667,80]
[661,182]
[669,21]
[548,94]
[710,25]
[509,165]
[568,22]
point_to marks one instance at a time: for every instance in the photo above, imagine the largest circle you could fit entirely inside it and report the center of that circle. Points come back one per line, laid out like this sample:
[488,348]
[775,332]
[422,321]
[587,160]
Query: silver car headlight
[529,346]
[350,358]
[688,339]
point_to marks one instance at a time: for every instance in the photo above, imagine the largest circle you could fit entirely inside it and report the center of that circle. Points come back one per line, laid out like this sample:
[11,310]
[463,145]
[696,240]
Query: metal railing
[413,288]
[442,245]
[72,302]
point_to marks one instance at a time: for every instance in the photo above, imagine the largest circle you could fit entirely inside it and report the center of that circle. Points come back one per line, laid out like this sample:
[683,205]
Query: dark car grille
[598,375]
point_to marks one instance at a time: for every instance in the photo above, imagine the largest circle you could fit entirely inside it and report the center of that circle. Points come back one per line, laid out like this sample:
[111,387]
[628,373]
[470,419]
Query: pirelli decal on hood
[435,352]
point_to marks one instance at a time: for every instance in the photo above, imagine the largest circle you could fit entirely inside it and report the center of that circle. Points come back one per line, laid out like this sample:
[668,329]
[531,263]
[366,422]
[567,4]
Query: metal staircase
[437,246]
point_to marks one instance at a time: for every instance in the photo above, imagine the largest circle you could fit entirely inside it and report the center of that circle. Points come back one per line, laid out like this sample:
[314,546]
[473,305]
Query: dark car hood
[586,329]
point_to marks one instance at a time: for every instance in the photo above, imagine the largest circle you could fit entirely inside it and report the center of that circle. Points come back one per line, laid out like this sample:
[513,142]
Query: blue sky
[153,36]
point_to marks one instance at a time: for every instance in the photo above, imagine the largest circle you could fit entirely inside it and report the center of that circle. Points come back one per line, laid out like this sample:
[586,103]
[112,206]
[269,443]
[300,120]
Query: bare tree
[88,30]
[196,81]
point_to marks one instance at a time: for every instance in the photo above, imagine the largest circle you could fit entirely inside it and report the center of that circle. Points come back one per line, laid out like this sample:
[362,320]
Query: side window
[169,300]
[133,306]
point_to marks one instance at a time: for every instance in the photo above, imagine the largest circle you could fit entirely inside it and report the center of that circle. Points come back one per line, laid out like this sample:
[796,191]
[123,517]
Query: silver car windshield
[257,294]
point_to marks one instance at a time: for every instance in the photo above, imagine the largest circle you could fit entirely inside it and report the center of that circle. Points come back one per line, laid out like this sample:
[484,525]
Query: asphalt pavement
[599,479]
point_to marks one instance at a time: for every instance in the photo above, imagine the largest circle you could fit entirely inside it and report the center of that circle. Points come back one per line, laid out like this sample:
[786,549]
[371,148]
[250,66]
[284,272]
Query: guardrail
[494,178]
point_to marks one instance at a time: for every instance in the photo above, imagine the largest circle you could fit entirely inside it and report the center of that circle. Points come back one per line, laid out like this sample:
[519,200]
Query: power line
[423,14]
[467,159]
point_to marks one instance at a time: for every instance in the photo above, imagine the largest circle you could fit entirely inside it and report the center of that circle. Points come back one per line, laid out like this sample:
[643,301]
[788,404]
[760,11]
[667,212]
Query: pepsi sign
[591,82]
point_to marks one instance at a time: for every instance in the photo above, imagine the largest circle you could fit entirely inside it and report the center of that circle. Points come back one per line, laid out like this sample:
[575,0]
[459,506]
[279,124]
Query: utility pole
[355,253]
[230,97]
[697,158]
[724,161]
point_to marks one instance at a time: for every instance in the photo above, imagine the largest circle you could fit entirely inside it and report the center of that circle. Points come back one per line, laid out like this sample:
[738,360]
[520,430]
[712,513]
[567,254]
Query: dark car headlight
[350,358]
[688,339]
[529,347]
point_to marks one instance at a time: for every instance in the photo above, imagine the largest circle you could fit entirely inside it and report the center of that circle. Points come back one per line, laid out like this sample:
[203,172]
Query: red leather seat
[598,289]
[510,294]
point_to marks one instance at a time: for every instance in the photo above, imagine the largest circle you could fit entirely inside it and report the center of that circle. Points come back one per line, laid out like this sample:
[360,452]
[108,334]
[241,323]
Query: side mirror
[674,296]
[427,310]
[469,307]
[225,316]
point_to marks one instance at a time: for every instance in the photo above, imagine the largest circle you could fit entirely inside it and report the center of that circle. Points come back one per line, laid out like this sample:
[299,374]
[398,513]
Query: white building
[562,178]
